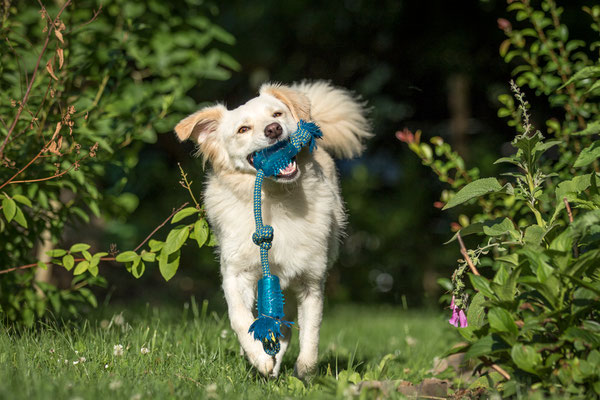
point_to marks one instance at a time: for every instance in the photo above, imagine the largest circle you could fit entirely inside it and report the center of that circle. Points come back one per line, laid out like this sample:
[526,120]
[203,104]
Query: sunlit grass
[194,354]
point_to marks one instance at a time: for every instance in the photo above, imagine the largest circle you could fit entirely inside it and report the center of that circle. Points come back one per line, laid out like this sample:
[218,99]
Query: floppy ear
[200,125]
[296,101]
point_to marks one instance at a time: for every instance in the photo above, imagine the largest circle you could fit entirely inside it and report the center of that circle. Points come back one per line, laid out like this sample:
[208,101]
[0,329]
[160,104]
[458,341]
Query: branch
[32,80]
[570,213]
[463,251]
[6,271]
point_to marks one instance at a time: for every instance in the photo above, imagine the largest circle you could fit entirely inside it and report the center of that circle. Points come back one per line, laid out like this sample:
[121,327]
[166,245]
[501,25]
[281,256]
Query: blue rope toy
[269,162]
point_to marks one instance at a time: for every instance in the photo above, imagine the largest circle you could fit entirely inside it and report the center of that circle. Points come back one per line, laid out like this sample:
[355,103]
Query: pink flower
[459,318]
[405,136]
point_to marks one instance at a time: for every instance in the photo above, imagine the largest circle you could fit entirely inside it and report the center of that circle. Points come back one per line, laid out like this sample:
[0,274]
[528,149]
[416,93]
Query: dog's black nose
[273,131]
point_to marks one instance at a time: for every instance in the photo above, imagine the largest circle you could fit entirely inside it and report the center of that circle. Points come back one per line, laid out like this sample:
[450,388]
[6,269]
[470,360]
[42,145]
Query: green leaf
[588,155]
[23,200]
[473,190]
[168,264]
[501,321]
[56,253]
[68,262]
[127,256]
[79,247]
[475,317]
[20,218]
[138,268]
[176,238]
[87,255]
[89,296]
[81,267]
[592,128]
[148,257]
[155,245]
[474,228]
[42,265]
[534,234]
[499,229]
[201,232]
[592,71]
[186,212]
[481,284]
[9,208]
[526,358]
[486,346]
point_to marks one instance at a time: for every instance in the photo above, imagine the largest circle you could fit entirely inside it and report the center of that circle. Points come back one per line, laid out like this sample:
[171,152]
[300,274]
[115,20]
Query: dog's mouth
[287,173]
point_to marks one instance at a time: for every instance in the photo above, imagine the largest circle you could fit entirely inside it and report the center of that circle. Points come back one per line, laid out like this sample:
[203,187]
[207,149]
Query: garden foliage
[533,318]
[82,87]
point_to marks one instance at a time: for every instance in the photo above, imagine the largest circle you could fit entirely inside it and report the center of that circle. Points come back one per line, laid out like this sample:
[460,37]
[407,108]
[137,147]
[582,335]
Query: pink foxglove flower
[459,318]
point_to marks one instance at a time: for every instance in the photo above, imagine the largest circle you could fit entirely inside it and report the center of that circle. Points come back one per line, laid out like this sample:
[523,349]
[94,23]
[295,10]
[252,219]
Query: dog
[302,203]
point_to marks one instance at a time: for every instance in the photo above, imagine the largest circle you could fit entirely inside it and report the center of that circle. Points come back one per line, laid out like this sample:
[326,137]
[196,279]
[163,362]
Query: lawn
[192,353]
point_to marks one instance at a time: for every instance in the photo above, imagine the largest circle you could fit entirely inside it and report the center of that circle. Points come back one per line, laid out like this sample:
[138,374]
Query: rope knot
[263,237]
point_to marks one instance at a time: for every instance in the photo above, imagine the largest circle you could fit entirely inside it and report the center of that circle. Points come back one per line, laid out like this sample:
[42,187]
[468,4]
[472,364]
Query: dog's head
[228,139]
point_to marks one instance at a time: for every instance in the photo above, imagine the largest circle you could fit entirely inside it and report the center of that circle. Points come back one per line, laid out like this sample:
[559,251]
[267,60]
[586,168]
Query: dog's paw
[264,363]
[305,366]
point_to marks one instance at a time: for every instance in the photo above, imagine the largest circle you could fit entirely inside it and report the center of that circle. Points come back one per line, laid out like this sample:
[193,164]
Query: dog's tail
[341,117]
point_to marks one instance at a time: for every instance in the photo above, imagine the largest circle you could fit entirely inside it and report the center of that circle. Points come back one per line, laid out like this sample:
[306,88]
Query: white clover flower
[114,385]
[105,366]
[224,333]
[144,350]
[118,350]
[119,320]
[137,396]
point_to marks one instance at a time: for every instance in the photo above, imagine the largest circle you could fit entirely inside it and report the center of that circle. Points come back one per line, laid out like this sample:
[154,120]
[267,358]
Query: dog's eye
[243,129]
[276,114]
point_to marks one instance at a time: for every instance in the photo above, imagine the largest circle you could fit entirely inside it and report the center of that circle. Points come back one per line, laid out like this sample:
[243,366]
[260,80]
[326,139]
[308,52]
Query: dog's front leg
[310,314]
[240,296]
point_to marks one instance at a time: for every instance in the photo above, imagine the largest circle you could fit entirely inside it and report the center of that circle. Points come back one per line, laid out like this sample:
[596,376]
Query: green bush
[82,87]
[533,319]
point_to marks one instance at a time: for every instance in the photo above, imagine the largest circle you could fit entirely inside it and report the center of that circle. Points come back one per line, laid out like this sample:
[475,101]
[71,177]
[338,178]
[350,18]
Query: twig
[187,185]
[463,251]
[570,214]
[32,80]
[160,226]
[5,271]
[496,368]
[96,14]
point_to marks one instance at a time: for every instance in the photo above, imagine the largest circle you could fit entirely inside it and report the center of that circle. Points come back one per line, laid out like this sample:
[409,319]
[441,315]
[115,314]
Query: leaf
[23,200]
[500,228]
[20,218]
[588,155]
[475,316]
[61,57]
[168,264]
[68,262]
[59,36]
[592,71]
[76,248]
[481,284]
[147,256]
[501,321]
[534,234]
[42,265]
[176,238]
[155,245]
[476,227]
[89,296]
[138,269]
[127,256]
[9,208]
[201,232]
[81,267]
[526,358]
[50,69]
[592,128]
[485,346]
[474,189]
[56,253]
[186,212]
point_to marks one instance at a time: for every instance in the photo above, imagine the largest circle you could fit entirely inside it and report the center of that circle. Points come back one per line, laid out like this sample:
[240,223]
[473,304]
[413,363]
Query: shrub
[533,319]
[81,91]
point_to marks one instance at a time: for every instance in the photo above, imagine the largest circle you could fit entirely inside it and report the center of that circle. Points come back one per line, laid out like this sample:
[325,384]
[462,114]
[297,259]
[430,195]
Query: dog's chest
[302,218]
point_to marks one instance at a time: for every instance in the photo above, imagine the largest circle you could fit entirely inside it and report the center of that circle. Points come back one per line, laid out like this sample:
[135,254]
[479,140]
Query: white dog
[302,203]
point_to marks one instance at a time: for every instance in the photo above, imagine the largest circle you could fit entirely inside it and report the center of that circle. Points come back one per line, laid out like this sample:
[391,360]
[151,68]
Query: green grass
[194,354]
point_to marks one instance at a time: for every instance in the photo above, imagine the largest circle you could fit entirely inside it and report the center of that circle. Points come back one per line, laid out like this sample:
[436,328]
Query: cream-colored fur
[306,210]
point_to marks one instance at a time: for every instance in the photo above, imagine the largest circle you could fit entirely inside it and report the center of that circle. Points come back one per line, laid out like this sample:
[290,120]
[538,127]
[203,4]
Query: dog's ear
[296,101]
[200,125]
